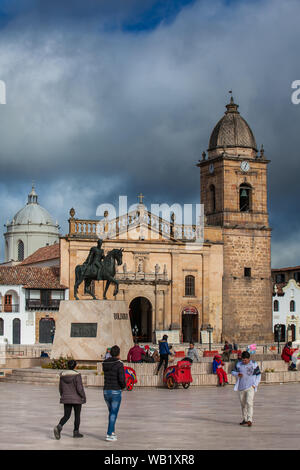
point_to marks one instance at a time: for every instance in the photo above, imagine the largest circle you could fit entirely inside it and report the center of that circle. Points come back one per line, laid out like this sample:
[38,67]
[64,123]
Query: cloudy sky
[113,98]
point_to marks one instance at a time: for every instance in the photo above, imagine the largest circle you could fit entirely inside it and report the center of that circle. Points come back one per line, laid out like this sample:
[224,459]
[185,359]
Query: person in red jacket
[136,353]
[287,353]
[218,369]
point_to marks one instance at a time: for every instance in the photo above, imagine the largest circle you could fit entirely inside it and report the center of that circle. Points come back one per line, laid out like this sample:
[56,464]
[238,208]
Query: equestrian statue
[98,267]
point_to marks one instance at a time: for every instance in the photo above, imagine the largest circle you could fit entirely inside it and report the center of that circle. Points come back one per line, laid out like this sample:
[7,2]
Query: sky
[120,97]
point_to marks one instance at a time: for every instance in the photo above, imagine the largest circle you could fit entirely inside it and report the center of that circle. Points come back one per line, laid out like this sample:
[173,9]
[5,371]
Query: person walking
[72,395]
[248,378]
[114,383]
[164,353]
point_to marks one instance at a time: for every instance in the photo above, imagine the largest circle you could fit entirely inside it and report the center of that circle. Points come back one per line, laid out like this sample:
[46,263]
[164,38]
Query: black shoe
[77,434]
[57,431]
[243,422]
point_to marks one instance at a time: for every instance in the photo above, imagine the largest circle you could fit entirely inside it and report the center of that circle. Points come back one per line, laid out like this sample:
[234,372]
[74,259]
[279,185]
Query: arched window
[212,190]
[189,285]
[276,306]
[1,327]
[245,197]
[292,306]
[20,250]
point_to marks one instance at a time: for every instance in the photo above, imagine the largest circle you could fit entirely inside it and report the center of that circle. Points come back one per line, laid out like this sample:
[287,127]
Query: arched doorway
[46,330]
[16,331]
[140,312]
[190,325]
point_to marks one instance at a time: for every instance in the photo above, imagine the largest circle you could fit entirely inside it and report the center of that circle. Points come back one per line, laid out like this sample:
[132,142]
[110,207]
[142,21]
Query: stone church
[225,282]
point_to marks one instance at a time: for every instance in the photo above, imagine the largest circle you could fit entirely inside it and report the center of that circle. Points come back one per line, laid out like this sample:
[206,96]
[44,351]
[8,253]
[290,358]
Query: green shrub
[61,363]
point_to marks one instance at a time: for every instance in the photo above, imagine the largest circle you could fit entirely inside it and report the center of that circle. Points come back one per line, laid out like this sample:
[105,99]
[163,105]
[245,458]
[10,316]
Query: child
[218,369]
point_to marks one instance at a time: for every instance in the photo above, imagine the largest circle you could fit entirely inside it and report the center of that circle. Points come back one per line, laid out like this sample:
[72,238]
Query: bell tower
[233,178]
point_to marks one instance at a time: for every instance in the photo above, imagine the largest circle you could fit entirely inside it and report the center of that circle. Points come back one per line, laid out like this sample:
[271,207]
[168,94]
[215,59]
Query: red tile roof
[277,270]
[43,254]
[32,277]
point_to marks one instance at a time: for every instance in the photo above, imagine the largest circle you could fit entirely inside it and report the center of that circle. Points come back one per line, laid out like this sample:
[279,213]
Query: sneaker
[57,431]
[111,437]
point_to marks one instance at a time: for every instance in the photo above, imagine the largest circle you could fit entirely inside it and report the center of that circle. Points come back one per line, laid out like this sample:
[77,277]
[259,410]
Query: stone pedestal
[85,328]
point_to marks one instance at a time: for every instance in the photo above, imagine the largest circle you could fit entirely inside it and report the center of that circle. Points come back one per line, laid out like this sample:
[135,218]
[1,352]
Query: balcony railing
[40,305]
[12,308]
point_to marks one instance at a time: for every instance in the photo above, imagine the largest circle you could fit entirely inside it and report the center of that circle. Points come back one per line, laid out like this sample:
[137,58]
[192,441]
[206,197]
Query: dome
[33,213]
[232,130]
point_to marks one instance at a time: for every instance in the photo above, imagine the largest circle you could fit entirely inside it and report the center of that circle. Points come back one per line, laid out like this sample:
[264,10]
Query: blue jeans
[113,400]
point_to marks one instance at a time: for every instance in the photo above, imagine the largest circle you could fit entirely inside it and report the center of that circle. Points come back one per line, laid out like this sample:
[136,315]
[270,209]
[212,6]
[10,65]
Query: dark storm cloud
[94,112]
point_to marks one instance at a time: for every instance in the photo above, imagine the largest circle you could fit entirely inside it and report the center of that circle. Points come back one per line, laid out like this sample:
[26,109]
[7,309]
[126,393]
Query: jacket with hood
[71,388]
[114,374]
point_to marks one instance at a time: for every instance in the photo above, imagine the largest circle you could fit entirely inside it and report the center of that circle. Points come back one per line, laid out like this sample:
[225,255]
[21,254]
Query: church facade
[225,282]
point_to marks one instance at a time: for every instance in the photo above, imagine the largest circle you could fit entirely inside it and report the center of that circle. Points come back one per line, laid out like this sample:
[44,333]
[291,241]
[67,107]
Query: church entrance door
[190,325]
[140,312]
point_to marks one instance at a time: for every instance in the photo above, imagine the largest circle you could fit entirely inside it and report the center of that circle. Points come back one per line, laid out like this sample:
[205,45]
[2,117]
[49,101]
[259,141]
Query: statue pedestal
[85,328]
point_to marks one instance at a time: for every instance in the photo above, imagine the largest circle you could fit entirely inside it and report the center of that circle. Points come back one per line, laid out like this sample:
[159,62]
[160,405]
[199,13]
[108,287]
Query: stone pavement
[154,419]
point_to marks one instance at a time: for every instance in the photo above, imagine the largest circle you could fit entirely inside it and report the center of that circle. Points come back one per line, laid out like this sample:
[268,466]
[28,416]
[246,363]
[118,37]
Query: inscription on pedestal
[121,316]
[83,330]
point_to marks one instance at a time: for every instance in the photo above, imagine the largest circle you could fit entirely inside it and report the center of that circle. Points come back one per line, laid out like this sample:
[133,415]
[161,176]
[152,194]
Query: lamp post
[289,328]
[210,330]
[278,331]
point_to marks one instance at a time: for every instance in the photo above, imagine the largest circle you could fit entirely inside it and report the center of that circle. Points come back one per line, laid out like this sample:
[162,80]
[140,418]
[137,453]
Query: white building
[29,302]
[31,228]
[286,309]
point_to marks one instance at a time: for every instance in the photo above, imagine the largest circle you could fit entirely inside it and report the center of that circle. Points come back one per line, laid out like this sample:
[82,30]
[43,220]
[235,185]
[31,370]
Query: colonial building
[31,228]
[29,302]
[286,303]
[226,281]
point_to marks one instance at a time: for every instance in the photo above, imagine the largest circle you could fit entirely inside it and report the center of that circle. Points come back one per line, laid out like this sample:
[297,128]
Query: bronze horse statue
[106,272]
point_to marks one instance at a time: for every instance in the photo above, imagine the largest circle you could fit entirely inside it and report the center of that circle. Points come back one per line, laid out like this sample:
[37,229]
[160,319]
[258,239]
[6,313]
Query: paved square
[197,418]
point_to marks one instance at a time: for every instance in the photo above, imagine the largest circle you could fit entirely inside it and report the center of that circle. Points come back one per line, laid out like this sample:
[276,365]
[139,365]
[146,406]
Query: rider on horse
[94,260]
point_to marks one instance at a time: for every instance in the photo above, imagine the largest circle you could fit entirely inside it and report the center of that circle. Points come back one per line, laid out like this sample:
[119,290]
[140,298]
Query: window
[245,198]
[212,198]
[189,285]
[1,327]
[247,272]
[292,306]
[20,250]
[280,278]
[276,306]
[297,276]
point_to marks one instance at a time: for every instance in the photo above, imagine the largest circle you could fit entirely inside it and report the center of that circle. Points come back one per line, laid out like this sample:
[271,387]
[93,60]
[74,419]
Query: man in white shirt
[248,377]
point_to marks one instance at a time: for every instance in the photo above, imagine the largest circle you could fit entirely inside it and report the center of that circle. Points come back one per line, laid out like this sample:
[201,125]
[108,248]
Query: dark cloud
[93,113]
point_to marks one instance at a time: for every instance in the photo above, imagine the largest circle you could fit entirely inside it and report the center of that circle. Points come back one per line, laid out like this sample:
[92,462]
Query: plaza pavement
[154,419]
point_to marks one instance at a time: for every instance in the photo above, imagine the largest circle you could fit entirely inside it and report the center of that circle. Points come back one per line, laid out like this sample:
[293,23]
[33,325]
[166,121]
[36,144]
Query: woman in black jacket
[114,382]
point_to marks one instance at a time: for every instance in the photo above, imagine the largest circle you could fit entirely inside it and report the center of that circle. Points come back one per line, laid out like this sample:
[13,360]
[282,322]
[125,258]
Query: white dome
[33,214]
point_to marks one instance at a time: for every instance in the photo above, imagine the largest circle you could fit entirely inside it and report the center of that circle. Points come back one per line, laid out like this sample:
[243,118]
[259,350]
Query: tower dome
[31,228]
[232,131]
[33,213]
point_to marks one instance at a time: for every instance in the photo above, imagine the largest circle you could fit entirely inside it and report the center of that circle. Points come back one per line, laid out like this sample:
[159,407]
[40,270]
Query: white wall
[284,316]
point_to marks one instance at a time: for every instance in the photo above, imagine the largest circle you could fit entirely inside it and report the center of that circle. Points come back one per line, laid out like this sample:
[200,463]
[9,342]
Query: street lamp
[278,331]
[210,330]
